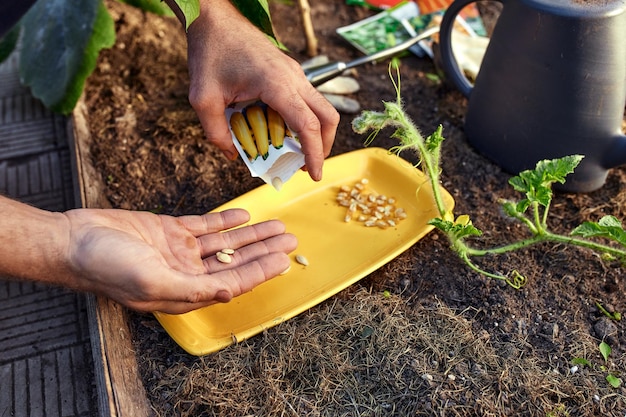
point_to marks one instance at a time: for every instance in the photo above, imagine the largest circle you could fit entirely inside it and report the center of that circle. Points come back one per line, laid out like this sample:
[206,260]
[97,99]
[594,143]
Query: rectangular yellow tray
[339,253]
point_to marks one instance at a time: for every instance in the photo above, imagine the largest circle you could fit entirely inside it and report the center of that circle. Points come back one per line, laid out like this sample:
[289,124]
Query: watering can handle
[449,62]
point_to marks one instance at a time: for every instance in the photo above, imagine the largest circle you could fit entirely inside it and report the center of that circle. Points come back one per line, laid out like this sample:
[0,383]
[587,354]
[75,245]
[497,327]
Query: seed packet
[383,30]
[273,158]
[407,20]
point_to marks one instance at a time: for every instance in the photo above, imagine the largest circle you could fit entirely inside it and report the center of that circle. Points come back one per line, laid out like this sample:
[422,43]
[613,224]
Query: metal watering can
[552,83]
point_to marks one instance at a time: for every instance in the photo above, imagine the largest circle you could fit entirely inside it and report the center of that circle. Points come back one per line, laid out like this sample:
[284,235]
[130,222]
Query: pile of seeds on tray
[368,207]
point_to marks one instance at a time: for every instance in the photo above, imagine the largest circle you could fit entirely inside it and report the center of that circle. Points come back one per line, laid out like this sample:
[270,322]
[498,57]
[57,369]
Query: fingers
[214,222]
[312,117]
[284,243]
[214,123]
[181,293]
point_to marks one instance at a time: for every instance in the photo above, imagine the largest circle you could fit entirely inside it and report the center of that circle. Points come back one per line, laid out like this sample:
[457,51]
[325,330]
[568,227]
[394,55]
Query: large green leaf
[60,46]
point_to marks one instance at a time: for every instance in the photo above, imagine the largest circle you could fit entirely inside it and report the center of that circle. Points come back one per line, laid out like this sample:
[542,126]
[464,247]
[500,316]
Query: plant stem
[546,236]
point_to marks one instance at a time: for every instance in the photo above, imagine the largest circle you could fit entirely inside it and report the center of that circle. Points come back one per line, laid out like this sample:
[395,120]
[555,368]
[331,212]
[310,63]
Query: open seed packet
[266,145]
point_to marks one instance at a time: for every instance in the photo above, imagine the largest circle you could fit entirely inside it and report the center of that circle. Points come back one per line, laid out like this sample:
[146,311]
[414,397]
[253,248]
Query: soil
[424,334]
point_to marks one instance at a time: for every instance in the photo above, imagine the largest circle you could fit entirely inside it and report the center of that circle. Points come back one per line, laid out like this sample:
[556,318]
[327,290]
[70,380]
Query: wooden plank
[120,389]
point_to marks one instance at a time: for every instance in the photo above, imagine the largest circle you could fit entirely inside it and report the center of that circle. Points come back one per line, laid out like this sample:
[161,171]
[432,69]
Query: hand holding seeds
[170,264]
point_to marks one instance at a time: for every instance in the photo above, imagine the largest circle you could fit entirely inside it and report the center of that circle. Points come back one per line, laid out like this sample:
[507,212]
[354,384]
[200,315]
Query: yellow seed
[242,132]
[228,251]
[276,126]
[258,123]
[286,270]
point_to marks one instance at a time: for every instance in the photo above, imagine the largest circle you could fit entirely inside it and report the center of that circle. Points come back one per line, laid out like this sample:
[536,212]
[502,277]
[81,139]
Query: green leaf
[257,12]
[435,139]
[60,46]
[581,361]
[605,350]
[459,231]
[614,381]
[608,227]
[8,42]
[190,9]
[158,7]
[537,183]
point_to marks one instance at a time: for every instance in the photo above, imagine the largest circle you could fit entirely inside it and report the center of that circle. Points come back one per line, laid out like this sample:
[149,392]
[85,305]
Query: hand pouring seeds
[268,148]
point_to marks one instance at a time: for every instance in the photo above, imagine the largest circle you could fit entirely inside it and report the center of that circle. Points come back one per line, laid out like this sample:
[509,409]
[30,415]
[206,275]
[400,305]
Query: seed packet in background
[279,163]
[407,20]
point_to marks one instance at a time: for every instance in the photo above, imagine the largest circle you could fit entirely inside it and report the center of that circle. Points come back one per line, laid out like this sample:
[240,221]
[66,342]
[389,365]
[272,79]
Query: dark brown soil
[509,351]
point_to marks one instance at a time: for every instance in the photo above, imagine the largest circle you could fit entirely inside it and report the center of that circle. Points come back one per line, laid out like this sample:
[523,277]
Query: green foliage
[605,350]
[613,380]
[537,183]
[581,362]
[62,39]
[457,230]
[257,12]
[61,42]
[190,9]
[607,227]
[532,210]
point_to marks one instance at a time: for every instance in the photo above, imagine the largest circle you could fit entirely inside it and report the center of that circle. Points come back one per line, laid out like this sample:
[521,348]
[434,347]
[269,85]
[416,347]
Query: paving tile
[46,365]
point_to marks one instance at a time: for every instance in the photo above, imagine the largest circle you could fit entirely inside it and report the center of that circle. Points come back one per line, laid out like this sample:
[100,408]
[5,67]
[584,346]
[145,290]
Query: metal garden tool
[323,73]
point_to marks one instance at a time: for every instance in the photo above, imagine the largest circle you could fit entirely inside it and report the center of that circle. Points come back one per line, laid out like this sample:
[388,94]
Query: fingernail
[230,155]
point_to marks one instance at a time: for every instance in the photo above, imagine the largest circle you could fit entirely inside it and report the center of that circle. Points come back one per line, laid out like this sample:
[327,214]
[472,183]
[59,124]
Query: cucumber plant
[68,36]
[531,210]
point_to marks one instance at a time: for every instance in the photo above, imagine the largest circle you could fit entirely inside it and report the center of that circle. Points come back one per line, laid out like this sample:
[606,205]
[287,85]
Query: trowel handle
[319,75]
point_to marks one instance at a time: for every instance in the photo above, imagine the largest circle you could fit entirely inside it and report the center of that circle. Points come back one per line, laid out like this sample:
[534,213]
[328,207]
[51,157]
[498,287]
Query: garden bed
[423,335]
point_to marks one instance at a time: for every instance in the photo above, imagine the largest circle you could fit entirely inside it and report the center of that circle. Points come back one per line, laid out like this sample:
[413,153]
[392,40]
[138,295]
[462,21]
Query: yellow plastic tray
[339,253]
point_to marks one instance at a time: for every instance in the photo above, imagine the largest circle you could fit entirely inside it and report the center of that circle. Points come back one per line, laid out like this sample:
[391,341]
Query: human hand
[152,262]
[231,61]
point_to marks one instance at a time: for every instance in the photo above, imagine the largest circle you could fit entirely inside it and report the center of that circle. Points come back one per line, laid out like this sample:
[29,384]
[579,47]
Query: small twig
[309,33]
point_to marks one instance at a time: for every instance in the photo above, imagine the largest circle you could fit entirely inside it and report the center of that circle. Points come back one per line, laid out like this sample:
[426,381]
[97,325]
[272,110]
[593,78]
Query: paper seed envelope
[280,164]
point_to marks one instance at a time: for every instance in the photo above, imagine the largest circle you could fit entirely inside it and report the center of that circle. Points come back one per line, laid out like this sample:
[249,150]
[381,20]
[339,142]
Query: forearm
[33,243]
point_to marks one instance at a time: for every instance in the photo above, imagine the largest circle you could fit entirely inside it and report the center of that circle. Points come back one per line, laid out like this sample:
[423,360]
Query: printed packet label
[280,164]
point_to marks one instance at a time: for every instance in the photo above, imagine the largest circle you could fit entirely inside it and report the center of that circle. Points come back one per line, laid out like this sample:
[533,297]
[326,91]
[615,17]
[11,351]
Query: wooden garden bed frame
[120,390]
